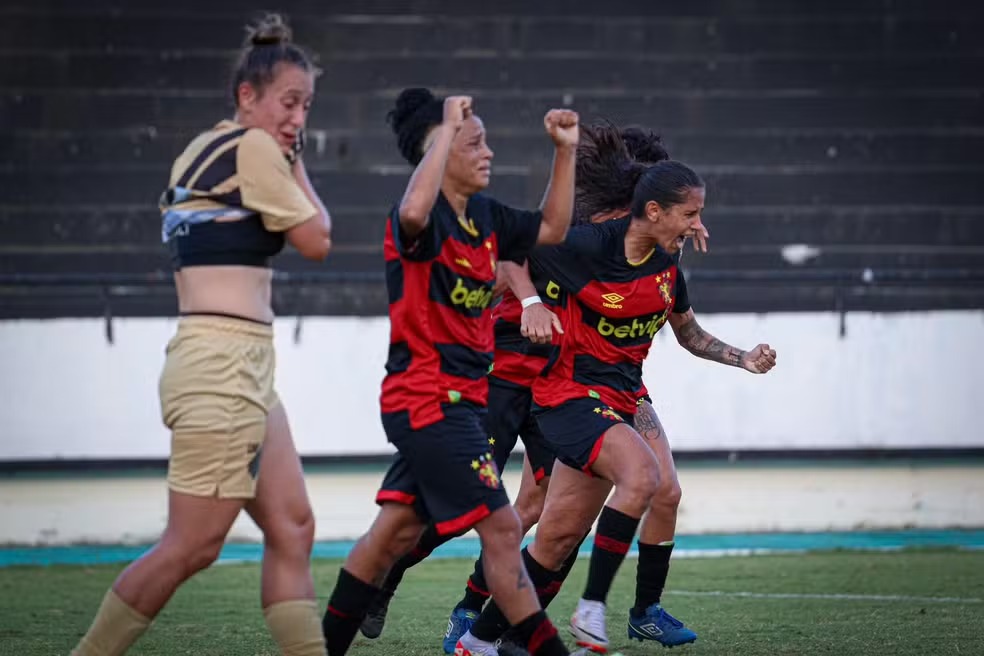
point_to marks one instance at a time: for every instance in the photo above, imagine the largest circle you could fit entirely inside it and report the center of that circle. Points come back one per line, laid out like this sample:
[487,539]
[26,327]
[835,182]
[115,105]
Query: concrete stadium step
[853,227]
[958,186]
[191,71]
[695,111]
[340,149]
[366,36]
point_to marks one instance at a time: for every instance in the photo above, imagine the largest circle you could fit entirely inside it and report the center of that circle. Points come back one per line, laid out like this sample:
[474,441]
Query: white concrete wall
[117,509]
[899,380]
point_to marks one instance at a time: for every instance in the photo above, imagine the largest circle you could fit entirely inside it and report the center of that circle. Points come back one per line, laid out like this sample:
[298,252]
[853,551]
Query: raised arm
[517,278]
[425,183]
[558,199]
[704,345]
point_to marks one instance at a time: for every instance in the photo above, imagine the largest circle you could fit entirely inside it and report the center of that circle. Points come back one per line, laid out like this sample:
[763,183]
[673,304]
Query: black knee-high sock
[492,623]
[561,576]
[429,540]
[612,540]
[654,565]
[540,636]
[347,608]
[476,590]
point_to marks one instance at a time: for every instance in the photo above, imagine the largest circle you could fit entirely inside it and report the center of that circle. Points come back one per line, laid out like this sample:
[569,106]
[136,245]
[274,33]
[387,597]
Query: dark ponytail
[606,172]
[644,145]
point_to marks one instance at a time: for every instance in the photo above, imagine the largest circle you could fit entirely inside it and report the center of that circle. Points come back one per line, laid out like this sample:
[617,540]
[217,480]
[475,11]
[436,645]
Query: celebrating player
[624,284]
[443,243]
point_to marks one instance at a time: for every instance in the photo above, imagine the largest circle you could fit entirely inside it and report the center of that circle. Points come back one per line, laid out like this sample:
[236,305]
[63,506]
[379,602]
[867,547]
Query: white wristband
[530,300]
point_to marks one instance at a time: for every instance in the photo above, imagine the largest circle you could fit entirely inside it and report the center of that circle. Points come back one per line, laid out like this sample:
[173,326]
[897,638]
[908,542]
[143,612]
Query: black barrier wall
[853,128]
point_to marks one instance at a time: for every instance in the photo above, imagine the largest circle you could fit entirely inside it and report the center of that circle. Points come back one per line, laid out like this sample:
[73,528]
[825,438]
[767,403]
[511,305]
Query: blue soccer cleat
[658,625]
[459,624]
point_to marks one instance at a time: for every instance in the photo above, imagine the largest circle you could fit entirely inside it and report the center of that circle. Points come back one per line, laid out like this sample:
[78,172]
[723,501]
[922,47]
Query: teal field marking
[468,547]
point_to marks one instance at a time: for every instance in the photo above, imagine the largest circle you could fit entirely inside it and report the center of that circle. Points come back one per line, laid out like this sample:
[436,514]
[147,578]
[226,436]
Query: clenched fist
[561,125]
[456,110]
[759,360]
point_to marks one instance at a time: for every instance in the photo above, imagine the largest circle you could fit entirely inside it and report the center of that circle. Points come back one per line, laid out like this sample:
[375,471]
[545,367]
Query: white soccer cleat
[588,626]
[469,645]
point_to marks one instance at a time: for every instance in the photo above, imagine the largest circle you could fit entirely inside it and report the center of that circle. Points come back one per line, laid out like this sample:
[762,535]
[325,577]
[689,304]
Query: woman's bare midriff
[241,291]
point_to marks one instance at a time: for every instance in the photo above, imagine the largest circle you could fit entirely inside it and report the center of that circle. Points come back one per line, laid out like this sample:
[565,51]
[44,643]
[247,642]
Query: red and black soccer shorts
[511,416]
[446,471]
[575,429]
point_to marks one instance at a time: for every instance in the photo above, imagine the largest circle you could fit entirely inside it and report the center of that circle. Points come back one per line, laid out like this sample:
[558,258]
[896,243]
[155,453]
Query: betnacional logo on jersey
[634,329]
[613,301]
[553,290]
[487,471]
[471,299]
[662,318]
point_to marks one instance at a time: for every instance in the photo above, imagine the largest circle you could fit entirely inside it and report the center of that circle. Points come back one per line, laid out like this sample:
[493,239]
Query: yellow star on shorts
[474,464]
[492,441]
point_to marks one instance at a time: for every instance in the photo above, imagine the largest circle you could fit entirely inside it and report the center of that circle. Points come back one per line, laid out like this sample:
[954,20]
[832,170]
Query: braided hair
[417,111]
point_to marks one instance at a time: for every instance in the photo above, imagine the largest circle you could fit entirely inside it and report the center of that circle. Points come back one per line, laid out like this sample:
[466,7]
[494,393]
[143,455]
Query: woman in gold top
[236,194]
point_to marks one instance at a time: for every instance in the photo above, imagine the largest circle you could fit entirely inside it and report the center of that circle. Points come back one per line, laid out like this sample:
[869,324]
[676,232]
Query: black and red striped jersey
[614,309]
[517,359]
[440,291]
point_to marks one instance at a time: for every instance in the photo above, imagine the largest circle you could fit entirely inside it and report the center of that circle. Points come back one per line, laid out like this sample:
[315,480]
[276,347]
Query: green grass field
[735,604]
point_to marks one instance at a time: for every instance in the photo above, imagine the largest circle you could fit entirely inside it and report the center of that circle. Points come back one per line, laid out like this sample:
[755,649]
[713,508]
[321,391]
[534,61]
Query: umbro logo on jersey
[613,300]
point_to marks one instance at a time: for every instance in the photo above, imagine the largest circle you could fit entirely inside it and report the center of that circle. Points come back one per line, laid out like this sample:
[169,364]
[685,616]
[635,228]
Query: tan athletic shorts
[216,390]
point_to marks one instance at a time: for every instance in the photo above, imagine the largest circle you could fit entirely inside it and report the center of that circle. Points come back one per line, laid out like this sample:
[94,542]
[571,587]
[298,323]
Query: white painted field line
[832,597]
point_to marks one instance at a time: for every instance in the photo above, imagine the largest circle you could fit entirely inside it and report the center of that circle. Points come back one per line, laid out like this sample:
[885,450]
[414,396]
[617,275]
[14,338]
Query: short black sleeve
[569,263]
[681,303]
[516,230]
[426,245]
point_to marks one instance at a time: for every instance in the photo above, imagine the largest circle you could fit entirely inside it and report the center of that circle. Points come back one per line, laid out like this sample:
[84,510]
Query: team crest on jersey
[663,280]
[664,289]
[608,413]
[487,471]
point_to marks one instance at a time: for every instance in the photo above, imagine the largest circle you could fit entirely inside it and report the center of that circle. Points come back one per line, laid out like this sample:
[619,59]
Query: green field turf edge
[44,610]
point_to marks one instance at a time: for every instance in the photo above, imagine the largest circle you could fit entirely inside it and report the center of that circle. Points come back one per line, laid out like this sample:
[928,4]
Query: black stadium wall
[848,132]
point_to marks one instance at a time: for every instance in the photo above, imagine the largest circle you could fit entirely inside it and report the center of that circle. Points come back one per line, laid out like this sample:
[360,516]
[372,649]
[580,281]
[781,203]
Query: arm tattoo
[705,345]
[647,423]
